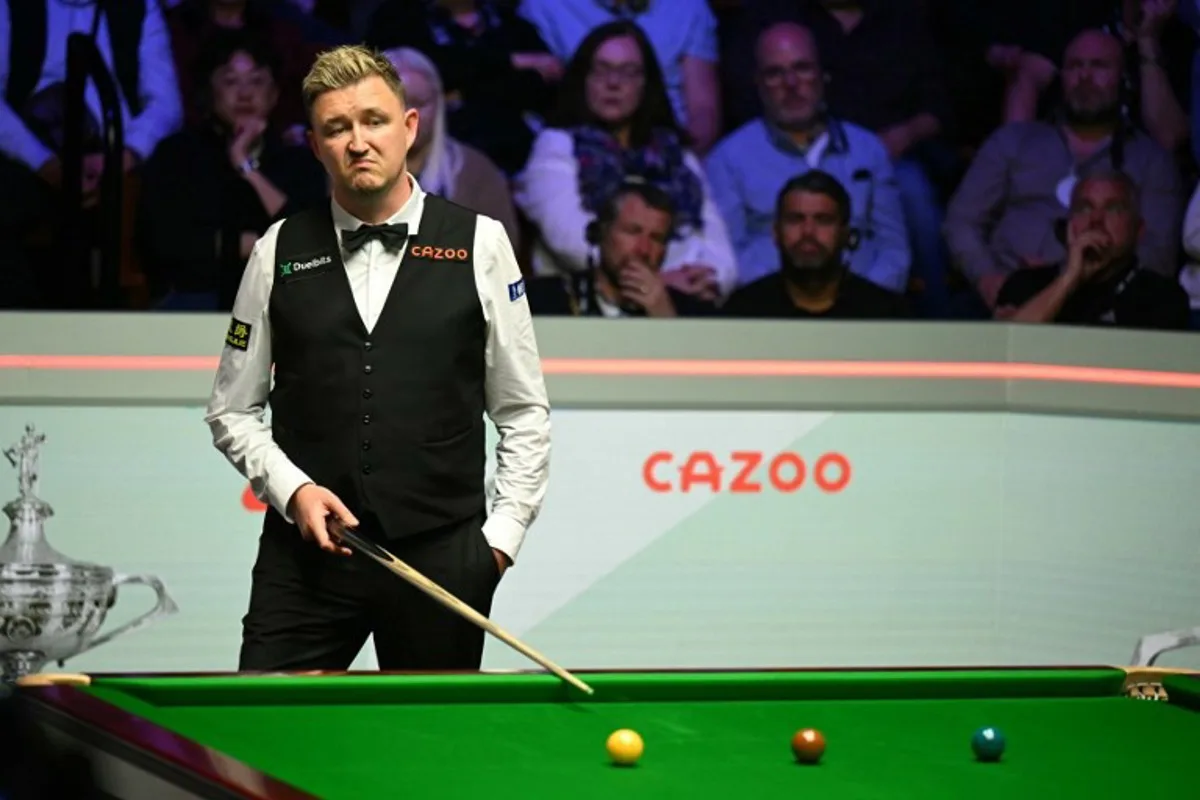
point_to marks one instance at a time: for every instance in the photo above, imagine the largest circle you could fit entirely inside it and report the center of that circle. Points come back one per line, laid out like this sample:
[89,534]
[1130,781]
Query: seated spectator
[885,74]
[813,235]
[1003,215]
[133,44]
[499,78]
[614,122]
[440,163]
[684,37]
[195,22]
[212,190]
[1099,282]
[795,134]
[630,238]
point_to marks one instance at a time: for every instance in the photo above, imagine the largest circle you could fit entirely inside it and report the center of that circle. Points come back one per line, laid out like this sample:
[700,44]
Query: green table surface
[1071,733]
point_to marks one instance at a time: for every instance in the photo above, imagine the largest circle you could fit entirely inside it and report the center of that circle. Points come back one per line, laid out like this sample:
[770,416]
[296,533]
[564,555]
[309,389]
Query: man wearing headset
[1002,217]
[628,244]
[1099,282]
[814,236]
[796,134]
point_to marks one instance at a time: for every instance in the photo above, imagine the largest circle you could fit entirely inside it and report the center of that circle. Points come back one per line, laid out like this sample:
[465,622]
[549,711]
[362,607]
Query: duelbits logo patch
[290,268]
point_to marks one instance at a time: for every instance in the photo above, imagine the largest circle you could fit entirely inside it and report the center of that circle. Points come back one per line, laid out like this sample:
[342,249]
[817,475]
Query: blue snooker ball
[988,744]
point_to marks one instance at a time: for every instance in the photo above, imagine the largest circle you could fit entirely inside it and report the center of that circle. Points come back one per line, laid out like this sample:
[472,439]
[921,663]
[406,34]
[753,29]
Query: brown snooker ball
[808,745]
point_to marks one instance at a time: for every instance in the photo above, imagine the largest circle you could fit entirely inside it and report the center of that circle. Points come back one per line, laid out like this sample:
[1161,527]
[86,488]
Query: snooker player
[394,320]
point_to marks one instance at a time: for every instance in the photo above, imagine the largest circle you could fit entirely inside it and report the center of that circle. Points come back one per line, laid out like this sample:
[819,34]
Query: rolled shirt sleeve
[236,409]
[516,398]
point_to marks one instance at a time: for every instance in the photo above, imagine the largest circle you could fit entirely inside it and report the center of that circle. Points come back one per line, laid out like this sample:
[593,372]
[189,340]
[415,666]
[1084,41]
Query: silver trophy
[51,606]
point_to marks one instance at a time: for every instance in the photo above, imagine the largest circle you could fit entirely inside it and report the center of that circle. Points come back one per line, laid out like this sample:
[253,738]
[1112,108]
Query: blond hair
[345,66]
[444,157]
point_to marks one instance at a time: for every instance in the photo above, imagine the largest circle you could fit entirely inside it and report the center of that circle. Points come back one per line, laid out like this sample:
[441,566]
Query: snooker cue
[382,556]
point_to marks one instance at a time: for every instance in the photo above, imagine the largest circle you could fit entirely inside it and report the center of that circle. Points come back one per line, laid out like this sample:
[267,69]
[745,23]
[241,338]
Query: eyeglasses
[622,72]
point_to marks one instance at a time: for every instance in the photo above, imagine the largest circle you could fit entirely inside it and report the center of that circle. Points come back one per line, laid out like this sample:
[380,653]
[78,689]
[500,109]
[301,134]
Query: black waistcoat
[391,420]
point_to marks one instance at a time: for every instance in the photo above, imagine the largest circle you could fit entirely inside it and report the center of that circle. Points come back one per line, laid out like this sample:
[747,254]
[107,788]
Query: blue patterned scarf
[604,163]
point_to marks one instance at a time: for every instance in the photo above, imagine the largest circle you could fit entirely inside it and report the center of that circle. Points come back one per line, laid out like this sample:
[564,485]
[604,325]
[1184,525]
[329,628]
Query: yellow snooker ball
[624,747]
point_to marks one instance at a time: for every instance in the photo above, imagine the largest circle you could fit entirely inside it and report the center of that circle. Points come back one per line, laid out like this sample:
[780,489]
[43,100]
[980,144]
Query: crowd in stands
[1020,160]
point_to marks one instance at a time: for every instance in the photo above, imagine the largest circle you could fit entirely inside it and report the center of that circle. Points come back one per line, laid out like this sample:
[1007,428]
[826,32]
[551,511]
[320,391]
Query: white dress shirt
[516,399]
[162,110]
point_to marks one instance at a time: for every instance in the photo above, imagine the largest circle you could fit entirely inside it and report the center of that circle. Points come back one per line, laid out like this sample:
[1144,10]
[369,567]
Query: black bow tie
[393,236]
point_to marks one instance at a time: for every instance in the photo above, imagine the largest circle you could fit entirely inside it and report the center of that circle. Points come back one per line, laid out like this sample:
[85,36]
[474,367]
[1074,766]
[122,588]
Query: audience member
[133,43]
[885,75]
[795,134]
[440,163]
[1023,39]
[614,122]
[498,75]
[813,234]
[629,238]
[211,190]
[1099,282]
[683,34]
[1002,216]
[194,23]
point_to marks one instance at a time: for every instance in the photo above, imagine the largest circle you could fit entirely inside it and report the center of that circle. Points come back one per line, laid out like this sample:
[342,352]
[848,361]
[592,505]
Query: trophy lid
[26,543]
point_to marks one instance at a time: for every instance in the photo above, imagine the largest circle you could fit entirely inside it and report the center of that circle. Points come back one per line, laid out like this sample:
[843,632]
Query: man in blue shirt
[750,166]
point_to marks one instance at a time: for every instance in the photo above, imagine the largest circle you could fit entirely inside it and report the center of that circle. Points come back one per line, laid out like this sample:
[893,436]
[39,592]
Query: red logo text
[439,253]
[744,472]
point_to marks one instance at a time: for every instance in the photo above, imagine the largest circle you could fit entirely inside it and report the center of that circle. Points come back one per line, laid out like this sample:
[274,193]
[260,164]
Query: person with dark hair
[195,23]
[629,240]
[212,189]
[614,121]
[683,34]
[813,233]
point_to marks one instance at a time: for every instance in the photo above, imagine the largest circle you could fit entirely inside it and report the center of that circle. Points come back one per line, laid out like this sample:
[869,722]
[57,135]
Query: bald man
[1004,214]
[796,134]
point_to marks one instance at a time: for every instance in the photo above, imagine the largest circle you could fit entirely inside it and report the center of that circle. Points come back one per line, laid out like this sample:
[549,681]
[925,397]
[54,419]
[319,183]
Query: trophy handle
[163,605]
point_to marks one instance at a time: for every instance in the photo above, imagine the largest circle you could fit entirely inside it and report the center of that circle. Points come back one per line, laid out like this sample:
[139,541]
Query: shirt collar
[838,141]
[410,212]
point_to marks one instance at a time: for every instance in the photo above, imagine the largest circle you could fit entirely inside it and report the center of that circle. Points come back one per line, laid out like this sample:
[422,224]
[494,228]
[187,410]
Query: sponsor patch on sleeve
[238,335]
[516,289]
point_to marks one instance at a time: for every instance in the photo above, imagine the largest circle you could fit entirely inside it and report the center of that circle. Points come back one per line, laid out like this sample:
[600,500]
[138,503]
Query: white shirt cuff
[505,534]
[282,484]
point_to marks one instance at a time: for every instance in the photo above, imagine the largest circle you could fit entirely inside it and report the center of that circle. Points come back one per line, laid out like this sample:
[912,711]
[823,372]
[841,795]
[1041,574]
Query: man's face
[790,82]
[241,90]
[1091,77]
[809,231]
[362,134]
[1104,206]
[637,236]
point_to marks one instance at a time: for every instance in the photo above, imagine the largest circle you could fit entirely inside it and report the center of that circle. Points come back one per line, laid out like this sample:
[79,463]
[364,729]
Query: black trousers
[313,610]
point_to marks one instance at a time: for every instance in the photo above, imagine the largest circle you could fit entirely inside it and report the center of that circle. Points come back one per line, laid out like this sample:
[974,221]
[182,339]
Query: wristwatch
[248,166]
